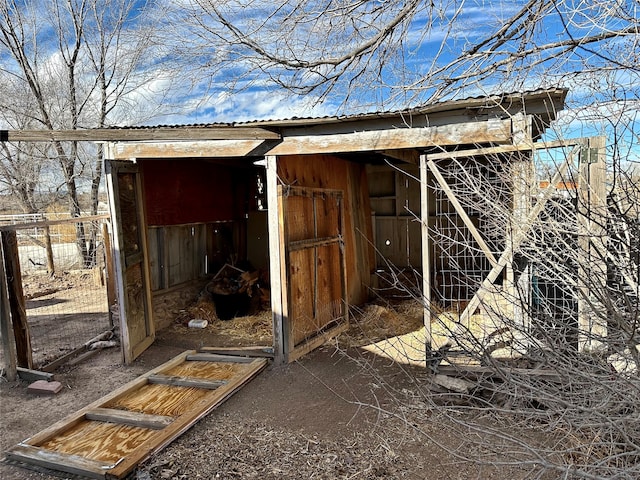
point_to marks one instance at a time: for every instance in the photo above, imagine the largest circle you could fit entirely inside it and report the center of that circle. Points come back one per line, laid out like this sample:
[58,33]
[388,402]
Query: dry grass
[251,327]
[374,322]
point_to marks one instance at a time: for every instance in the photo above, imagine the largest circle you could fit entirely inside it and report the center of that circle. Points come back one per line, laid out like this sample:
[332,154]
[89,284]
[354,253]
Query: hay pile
[375,322]
[256,329]
[203,308]
[246,330]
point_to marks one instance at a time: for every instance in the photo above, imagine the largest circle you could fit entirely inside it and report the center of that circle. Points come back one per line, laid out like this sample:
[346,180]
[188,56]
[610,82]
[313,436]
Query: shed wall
[191,191]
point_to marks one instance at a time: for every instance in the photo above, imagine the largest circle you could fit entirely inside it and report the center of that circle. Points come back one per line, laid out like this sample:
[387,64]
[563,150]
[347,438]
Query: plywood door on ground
[315,269]
[130,255]
[108,438]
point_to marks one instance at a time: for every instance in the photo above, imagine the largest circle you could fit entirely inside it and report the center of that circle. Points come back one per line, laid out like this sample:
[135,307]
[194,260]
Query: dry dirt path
[323,417]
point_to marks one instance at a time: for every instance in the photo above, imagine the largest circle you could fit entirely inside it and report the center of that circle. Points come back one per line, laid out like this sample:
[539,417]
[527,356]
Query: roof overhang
[474,121]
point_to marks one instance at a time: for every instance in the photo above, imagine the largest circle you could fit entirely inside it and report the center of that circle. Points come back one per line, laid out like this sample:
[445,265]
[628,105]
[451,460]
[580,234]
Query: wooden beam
[312,242]
[494,131]
[73,464]
[16,299]
[6,328]
[522,147]
[592,271]
[124,417]
[279,298]
[426,254]
[405,155]
[109,268]
[212,357]
[46,223]
[192,149]
[33,375]
[461,212]
[262,352]
[141,134]
[176,381]
[318,340]
[52,366]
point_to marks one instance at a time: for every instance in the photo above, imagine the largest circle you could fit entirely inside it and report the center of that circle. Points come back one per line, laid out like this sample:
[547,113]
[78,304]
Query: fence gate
[57,291]
[314,269]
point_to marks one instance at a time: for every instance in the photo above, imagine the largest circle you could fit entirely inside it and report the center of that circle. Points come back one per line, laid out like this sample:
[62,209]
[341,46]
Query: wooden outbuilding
[438,202]
[321,203]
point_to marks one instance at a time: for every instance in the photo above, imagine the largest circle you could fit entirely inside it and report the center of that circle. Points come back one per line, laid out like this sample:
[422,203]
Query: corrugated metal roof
[442,106]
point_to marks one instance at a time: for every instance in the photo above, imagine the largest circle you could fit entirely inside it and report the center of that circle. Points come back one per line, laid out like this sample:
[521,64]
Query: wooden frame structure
[316,155]
[150,412]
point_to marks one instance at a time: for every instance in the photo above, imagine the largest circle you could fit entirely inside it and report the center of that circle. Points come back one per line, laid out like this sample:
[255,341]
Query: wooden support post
[592,270]
[109,268]
[276,260]
[16,299]
[426,254]
[519,292]
[6,329]
[522,174]
[51,268]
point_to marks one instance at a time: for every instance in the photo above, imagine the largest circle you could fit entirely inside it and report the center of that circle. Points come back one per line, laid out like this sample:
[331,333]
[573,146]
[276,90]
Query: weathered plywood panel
[208,370]
[327,214]
[159,400]
[105,442]
[300,219]
[108,438]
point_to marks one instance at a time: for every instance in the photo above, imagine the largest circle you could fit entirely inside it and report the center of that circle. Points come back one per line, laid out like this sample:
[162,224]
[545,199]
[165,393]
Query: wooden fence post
[592,274]
[110,273]
[6,329]
[16,299]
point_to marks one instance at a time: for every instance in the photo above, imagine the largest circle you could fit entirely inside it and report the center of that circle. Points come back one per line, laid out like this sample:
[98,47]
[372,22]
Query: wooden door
[314,270]
[110,437]
[130,258]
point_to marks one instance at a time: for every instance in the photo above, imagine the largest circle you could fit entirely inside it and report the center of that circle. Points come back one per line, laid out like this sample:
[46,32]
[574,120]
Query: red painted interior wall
[191,191]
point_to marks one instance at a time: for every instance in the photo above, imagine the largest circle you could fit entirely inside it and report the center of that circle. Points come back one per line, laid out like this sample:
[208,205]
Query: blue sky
[200,95]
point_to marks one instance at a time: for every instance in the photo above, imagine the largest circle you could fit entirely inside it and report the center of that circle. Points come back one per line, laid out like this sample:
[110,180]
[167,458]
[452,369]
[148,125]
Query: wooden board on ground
[110,437]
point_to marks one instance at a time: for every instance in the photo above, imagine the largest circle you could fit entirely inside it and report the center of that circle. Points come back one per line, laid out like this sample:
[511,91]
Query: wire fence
[64,288]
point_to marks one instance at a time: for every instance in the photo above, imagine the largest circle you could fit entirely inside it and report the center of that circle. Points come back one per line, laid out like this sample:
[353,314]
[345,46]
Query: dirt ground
[333,414]
[339,412]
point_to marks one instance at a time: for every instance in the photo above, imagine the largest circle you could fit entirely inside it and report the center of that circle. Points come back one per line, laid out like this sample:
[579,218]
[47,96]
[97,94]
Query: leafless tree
[392,53]
[76,63]
[562,402]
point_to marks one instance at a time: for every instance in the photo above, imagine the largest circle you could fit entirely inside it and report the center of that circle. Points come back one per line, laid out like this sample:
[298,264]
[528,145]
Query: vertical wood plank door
[314,267]
[130,257]
[110,437]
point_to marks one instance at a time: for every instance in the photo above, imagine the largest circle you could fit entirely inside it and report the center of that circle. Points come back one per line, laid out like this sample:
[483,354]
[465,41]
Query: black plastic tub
[231,306]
